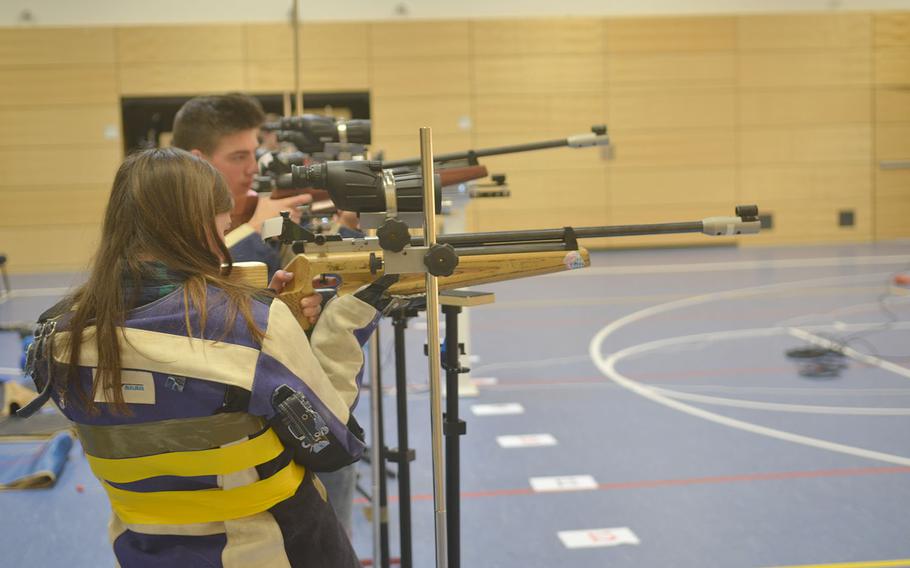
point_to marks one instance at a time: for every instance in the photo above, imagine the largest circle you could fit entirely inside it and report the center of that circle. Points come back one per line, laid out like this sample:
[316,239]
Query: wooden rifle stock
[454,176]
[353,270]
[246,207]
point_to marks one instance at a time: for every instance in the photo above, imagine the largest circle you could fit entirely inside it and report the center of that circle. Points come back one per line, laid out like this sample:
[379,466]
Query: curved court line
[849,351]
[782,407]
[721,266]
[750,404]
[607,367]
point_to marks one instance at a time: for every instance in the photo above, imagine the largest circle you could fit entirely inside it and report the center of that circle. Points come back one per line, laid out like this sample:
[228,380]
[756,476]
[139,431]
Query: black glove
[375,293]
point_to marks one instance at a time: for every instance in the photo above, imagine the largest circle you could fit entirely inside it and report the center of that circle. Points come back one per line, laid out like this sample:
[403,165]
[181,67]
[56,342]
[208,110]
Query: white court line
[607,367]
[782,407]
[751,404]
[819,262]
[849,352]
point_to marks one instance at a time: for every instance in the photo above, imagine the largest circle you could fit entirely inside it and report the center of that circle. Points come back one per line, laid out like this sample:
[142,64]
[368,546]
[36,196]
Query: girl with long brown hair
[202,406]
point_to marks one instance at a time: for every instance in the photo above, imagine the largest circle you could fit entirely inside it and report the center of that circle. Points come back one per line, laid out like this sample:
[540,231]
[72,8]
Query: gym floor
[656,419]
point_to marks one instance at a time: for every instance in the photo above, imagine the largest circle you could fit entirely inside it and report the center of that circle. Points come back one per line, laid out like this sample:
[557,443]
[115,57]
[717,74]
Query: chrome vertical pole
[433,349]
[375,447]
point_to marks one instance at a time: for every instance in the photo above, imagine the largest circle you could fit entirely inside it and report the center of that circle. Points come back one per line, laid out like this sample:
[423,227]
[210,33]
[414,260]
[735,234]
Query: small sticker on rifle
[574,260]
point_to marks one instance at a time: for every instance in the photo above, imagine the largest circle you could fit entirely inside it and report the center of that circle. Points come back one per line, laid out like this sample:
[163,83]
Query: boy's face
[235,158]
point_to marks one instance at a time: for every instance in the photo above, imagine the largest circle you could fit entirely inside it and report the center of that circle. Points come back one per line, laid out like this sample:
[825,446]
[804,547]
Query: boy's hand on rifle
[268,208]
[310,306]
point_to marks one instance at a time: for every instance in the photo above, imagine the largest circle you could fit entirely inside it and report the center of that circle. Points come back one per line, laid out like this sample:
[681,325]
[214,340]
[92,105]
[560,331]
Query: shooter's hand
[310,306]
[268,208]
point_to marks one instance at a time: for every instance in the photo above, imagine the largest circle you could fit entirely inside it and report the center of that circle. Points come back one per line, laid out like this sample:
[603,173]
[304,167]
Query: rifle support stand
[402,455]
[452,302]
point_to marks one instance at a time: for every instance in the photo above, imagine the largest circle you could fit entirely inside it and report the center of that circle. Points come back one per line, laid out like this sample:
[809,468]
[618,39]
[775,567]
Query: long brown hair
[162,207]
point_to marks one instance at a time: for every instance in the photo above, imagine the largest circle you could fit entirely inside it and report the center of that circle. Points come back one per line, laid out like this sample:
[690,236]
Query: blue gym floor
[661,374]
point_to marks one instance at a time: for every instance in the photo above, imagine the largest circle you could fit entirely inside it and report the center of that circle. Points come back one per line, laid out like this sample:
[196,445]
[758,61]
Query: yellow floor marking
[868,564]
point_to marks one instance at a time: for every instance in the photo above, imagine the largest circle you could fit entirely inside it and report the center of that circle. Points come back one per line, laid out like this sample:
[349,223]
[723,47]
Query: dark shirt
[156,281]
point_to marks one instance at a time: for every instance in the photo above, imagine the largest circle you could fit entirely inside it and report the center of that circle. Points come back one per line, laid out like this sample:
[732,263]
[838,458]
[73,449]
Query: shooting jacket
[194,473]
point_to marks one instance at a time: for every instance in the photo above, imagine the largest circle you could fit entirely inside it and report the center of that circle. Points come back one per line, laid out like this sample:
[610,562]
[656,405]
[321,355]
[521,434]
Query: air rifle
[458,260]
[311,132]
[597,137]
[276,179]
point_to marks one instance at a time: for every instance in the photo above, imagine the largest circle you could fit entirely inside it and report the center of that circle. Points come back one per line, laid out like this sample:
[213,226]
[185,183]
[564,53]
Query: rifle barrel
[579,141]
[561,235]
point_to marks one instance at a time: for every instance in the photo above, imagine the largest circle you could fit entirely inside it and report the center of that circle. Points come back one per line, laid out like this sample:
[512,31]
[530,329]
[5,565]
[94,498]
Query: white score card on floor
[594,538]
[563,483]
[526,441]
[497,409]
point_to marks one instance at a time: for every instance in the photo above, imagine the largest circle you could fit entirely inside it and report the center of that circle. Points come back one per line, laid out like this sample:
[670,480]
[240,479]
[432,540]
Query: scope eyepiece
[358,185]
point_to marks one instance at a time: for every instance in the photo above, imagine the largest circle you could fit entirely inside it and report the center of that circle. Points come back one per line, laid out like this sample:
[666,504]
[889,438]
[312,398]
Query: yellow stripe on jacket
[216,461]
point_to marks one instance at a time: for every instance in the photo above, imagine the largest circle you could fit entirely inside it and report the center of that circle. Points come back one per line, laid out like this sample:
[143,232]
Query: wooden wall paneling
[892,142]
[892,104]
[59,125]
[197,43]
[790,145]
[516,219]
[405,115]
[315,75]
[58,85]
[892,66]
[61,204]
[691,147]
[804,31]
[49,248]
[420,39]
[269,76]
[56,46]
[891,214]
[811,68]
[667,188]
[892,204]
[812,221]
[318,40]
[559,114]
[401,146]
[181,78]
[670,34]
[818,106]
[335,75]
[51,165]
[327,64]
[537,36]
[538,74]
[664,109]
[546,189]
[271,42]
[892,29]
[671,69]
[421,76]
[820,182]
[892,183]
[344,40]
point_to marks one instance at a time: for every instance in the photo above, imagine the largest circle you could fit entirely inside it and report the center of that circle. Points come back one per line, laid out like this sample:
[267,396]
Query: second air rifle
[459,260]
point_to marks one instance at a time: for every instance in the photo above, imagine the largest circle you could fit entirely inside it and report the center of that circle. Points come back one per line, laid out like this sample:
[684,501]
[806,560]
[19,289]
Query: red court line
[652,483]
